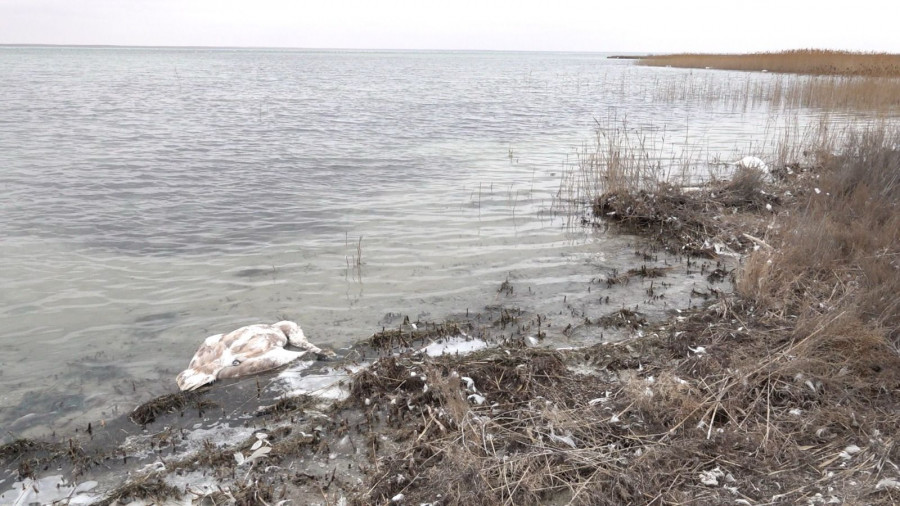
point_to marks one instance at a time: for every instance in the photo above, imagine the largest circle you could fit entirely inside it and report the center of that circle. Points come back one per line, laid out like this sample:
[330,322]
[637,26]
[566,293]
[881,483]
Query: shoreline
[767,394]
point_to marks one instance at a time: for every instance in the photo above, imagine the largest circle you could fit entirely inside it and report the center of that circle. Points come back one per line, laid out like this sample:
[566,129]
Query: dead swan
[247,350]
[752,162]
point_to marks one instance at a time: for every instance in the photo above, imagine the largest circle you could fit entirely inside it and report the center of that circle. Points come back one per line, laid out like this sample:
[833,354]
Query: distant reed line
[802,61]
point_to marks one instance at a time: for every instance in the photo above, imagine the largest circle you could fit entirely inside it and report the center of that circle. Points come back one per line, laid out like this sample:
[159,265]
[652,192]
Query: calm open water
[152,197]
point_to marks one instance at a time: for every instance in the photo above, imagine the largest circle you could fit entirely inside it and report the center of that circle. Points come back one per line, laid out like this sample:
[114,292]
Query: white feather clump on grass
[752,162]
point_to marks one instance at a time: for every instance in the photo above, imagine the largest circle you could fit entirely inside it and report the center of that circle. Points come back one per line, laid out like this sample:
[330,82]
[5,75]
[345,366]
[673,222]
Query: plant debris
[147,412]
[150,487]
[405,335]
[700,223]
[623,318]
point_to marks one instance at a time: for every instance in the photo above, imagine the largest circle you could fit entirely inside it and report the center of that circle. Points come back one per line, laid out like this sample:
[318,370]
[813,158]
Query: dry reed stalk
[879,94]
[624,159]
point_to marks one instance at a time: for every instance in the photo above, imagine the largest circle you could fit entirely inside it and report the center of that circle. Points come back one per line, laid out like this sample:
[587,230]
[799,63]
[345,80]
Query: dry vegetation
[621,159]
[831,80]
[701,414]
[840,252]
[802,61]
[785,393]
[876,94]
[699,223]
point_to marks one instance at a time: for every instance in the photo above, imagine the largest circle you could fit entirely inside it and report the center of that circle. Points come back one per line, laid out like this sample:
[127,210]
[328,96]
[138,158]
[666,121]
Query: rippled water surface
[152,197]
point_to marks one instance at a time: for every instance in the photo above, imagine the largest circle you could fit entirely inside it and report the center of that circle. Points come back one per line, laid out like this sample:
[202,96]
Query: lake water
[152,197]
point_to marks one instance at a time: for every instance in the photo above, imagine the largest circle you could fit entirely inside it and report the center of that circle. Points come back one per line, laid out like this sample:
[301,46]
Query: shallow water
[153,197]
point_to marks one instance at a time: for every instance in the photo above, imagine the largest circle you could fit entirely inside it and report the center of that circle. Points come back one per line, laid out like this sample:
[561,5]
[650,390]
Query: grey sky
[576,25]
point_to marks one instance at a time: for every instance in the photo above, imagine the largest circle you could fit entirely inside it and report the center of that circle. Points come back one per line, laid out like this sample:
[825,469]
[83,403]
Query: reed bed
[624,158]
[626,163]
[828,80]
[874,94]
[782,92]
[801,61]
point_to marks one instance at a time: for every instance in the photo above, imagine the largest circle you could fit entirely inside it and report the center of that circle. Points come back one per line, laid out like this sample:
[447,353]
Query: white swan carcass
[247,350]
[752,162]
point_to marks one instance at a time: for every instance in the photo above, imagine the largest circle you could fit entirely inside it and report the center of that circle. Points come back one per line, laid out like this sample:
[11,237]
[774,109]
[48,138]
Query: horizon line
[297,48]
[412,50]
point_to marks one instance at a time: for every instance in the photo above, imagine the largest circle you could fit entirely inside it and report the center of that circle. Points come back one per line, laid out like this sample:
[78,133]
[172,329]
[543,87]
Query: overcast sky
[549,25]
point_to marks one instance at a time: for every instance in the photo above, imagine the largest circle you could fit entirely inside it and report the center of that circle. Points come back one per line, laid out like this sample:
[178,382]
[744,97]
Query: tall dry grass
[829,80]
[801,61]
[880,95]
[874,94]
[624,158]
[838,257]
